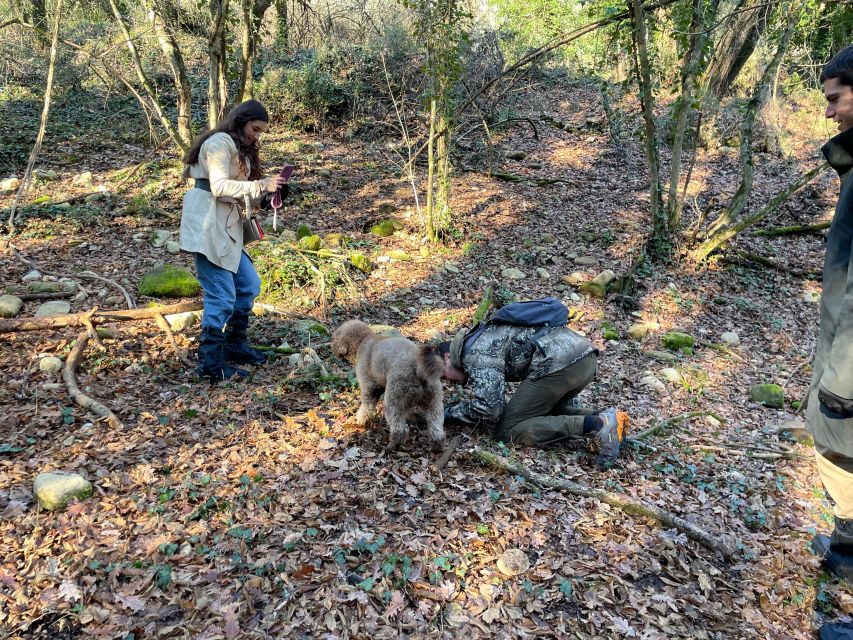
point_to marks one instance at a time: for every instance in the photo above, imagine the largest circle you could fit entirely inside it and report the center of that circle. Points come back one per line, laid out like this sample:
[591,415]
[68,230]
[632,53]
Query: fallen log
[713,541]
[796,229]
[75,319]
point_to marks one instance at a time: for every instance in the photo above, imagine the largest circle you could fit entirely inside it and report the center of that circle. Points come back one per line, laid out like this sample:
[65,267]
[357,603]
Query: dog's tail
[429,364]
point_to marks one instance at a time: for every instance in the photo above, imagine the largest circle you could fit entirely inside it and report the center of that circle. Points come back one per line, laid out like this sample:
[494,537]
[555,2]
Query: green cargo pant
[529,416]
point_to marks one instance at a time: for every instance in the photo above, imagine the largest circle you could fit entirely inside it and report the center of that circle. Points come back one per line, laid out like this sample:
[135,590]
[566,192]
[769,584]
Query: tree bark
[659,238]
[216,104]
[253,15]
[45,111]
[145,82]
[727,225]
[738,40]
[171,49]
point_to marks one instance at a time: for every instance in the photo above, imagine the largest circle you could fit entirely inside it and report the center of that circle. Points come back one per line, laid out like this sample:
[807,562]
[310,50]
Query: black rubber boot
[836,551]
[211,358]
[237,347]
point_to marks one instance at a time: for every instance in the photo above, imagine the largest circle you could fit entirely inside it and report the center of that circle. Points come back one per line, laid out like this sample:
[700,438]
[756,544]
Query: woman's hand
[273,183]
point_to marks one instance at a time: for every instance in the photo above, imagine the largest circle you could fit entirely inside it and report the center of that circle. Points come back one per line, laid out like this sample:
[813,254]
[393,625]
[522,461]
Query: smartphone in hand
[278,197]
[287,171]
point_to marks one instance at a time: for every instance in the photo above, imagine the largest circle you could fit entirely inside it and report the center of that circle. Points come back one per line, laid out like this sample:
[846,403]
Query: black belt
[203,184]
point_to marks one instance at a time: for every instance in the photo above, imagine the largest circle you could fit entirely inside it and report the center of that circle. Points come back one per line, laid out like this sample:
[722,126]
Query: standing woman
[224,163]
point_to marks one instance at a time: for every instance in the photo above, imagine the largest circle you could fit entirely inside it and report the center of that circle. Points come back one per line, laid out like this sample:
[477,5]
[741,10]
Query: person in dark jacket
[829,408]
[553,365]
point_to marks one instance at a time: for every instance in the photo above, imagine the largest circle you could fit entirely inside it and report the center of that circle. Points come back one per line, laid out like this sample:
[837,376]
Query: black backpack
[546,313]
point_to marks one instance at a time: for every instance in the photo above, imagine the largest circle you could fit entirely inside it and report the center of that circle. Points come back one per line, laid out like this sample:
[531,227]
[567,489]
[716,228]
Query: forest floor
[260,510]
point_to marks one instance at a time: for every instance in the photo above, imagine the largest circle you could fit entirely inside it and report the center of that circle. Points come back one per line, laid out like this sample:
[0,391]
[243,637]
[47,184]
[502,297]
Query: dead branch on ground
[164,325]
[74,319]
[713,541]
[449,450]
[68,375]
[796,229]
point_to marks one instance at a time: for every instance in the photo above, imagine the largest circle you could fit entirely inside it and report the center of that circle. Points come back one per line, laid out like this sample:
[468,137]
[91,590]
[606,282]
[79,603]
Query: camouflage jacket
[507,353]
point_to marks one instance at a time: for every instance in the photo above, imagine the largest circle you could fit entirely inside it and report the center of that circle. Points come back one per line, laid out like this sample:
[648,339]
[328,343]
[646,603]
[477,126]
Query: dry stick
[73,319]
[793,230]
[714,541]
[43,296]
[51,70]
[164,325]
[741,257]
[78,396]
[671,422]
[449,450]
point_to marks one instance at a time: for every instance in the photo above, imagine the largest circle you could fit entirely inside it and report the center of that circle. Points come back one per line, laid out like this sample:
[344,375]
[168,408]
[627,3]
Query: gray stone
[426,301]
[386,330]
[50,364]
[55,490]
[46,174]
[10,184]
[160,238]
[585,261]
[10,306]
[511,273]
[323,173]
[31,276]
[812,297]
[80,297]
[513,562]
[180,322]
[172,247]
[111,300]
[661,356]
[575,278]
[68,285]
[542,273]
[653,383]
[53,308]
[730,338]
[452,268]
[671,375]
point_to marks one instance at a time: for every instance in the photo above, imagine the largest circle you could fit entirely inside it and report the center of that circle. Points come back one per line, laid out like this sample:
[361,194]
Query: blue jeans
[226,294]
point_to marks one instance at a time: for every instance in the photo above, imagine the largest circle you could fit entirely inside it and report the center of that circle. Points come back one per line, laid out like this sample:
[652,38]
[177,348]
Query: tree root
[78,396]
[713,541]
[449,450]
[95,317]
[743,258]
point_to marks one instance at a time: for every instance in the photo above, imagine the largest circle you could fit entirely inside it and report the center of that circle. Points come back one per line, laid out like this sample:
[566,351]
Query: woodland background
[655,165]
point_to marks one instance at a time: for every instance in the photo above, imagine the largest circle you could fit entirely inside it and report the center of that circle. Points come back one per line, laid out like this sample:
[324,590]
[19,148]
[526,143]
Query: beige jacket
[211,221]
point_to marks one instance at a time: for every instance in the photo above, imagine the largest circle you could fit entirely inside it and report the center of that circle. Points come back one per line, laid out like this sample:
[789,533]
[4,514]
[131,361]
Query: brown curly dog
[407,373]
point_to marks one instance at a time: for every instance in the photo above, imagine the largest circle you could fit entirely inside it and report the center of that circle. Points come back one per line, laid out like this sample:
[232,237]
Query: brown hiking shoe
[611,435]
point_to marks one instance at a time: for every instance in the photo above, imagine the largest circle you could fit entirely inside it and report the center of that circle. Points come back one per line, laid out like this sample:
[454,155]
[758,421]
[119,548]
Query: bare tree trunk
[726,226]
[737,42]
[282,38]
[685,107]
[145,82]
[660,230]
[432,232]
[217,61]
[172,51]
[45,111]
[253,14]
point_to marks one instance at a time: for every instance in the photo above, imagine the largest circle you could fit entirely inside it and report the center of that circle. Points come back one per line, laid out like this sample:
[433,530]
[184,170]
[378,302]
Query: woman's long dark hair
[233,124]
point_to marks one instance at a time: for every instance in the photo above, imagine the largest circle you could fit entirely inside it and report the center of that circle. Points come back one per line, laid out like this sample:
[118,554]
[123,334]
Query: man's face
[839,103]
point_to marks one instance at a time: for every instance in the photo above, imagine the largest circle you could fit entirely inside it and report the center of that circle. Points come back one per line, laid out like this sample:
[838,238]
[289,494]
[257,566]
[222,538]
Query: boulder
[180,322]
[597,287]
[511,273]
[55,490]
[730,338]
[10,306]
[160,238]
[770,395]
[168,281]
[50,364]
[53,308]
[677,341]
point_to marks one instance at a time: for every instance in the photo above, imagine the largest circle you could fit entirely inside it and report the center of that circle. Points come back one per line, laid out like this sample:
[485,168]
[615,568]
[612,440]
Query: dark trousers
[541,411]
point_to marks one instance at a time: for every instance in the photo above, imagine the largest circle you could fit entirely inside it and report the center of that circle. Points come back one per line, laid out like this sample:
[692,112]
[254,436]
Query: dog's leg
[434,417]
[396,419]
[370,395]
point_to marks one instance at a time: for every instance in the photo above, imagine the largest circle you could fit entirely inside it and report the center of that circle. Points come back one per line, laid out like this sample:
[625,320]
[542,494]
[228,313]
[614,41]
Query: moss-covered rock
[335,240]
[609,331]
[677,341]
[44,287]
[399,254]
[55,490]
[303,231]
[597,287]
[167,281]
[383,228]
[361,262]
[310,243]
[770,395]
